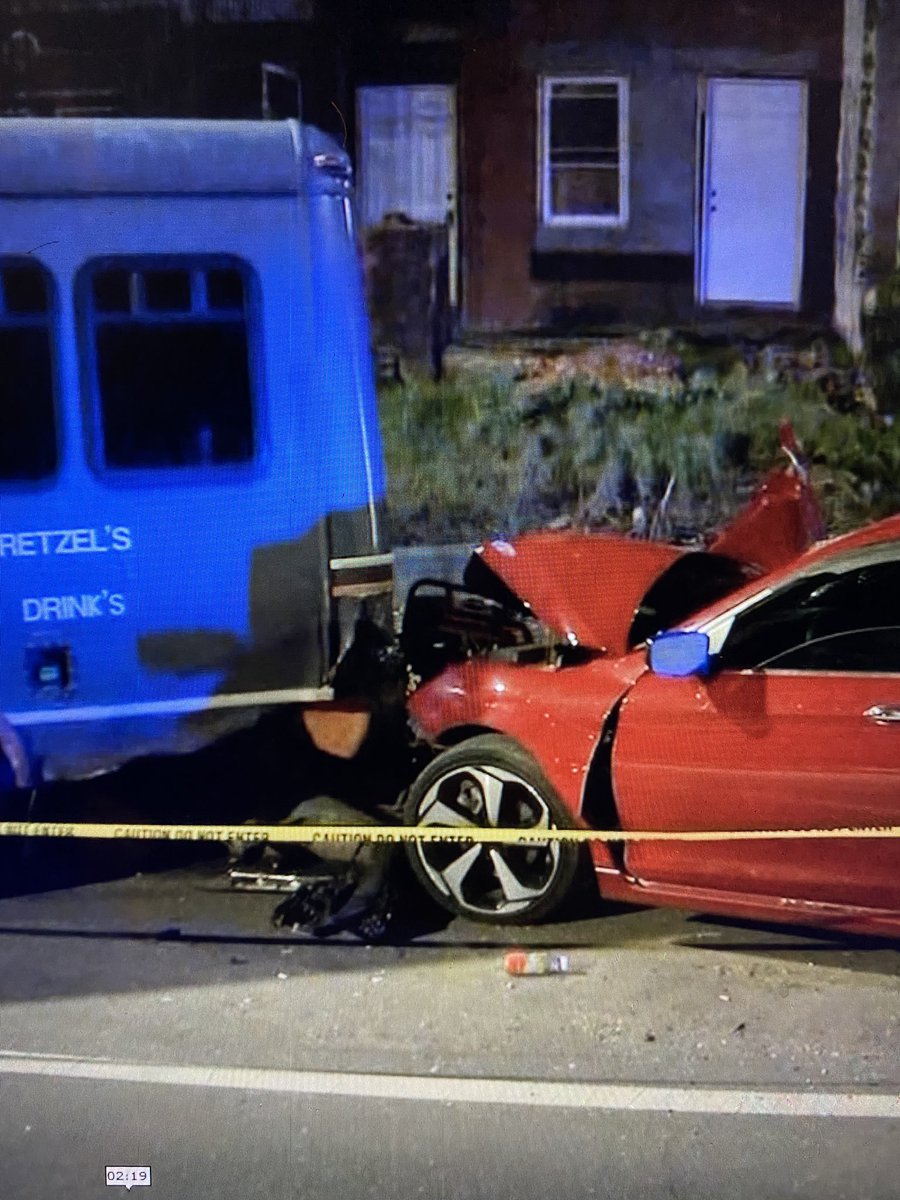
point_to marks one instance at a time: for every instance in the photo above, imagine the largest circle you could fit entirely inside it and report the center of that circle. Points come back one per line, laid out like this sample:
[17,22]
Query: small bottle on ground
[521,962]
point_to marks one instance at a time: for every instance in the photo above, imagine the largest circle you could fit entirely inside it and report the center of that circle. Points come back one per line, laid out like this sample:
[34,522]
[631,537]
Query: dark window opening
[582,150]
[862,652]
[28,450]
[167,291]
[112,292]
[225,289]
[24,291]
[174,397]
[172,368]
[781,630]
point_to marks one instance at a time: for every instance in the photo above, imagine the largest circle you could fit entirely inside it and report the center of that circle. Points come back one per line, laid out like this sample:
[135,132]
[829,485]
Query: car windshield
[689,585]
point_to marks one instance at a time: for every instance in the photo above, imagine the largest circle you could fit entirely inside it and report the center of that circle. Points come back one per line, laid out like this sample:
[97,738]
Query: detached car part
[336,888]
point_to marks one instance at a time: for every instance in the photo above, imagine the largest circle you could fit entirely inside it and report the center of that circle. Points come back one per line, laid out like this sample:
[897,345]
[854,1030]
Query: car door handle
[883,714]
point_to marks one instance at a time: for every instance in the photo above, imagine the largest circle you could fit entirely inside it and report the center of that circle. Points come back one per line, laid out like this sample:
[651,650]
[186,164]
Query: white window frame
[545,89]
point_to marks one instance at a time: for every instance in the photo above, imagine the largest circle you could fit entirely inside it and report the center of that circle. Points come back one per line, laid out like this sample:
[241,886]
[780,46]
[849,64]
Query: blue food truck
[191,470]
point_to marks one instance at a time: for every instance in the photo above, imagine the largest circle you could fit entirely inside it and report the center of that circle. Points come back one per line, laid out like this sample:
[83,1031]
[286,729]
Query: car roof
[885,532]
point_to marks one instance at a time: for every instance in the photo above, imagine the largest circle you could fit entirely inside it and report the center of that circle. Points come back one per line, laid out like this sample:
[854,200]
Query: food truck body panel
[193,468]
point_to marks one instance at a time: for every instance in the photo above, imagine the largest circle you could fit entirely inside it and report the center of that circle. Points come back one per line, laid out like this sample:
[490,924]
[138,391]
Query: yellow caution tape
[467,834]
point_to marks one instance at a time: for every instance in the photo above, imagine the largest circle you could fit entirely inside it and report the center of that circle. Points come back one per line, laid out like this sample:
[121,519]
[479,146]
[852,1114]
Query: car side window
[821,621]
[863,651]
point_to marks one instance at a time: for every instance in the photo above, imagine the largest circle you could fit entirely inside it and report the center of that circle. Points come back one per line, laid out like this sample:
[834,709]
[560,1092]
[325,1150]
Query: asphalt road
[157,1022]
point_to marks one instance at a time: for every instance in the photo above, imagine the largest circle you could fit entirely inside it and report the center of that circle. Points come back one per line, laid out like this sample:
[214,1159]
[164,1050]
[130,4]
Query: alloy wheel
[483,880]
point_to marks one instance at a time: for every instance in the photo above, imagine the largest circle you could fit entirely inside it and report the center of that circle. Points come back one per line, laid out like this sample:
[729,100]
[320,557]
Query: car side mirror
[679,653]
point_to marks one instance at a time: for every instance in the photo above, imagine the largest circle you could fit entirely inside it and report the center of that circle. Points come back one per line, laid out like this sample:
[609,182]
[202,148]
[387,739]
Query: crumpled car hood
[586,586]
[782,519]
[589,586]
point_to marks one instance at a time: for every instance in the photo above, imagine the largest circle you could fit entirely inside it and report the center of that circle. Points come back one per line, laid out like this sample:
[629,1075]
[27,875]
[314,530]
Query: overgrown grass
[478,456]
[453,458]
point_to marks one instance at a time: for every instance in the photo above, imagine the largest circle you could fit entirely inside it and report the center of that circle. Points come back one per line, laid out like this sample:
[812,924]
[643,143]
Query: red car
[770,700]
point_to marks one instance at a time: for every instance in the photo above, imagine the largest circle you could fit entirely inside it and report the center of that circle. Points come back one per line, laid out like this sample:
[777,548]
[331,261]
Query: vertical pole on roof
[267,69]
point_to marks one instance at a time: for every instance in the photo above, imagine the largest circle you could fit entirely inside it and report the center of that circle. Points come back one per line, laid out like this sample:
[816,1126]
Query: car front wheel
[490,781]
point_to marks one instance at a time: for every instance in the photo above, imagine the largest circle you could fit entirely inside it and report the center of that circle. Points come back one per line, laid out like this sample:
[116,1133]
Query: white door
[753,192]
[407,157]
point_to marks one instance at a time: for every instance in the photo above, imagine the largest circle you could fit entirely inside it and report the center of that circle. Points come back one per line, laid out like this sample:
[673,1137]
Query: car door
[798,725]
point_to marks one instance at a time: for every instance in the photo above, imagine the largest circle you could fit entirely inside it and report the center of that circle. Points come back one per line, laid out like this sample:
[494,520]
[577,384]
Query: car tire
[491,781]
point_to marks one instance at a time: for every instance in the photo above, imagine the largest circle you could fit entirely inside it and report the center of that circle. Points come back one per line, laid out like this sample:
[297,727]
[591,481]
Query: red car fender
[557,714]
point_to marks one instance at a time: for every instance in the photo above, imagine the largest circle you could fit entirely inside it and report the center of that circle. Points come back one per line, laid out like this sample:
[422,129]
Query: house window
[169,354]
[584,151]
[28,449]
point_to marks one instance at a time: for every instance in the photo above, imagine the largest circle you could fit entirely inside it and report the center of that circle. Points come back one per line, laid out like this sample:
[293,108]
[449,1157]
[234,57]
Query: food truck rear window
[28,440]
[170,363]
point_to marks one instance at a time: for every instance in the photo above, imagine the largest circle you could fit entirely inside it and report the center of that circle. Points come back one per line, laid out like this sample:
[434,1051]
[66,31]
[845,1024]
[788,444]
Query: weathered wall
[518,274]
[868,203]
[109,58]
[885,180]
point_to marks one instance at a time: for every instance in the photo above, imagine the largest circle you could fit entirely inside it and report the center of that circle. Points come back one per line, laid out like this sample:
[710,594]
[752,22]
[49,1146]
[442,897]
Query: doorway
[752,192]
[407,159]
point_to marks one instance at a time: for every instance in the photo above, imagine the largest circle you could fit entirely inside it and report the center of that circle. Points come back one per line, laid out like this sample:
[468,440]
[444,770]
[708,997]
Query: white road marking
[625,1097]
